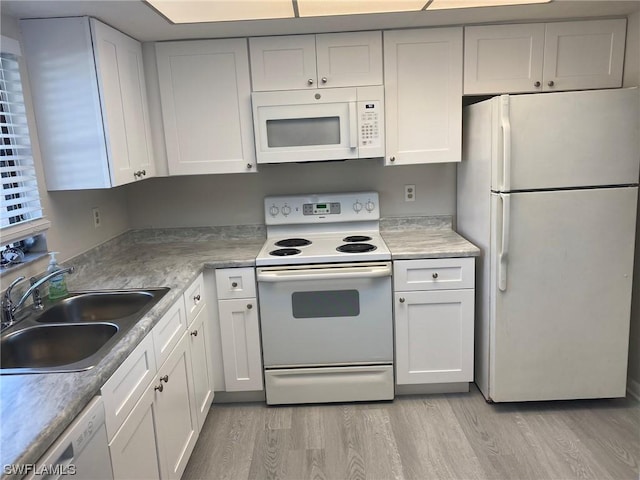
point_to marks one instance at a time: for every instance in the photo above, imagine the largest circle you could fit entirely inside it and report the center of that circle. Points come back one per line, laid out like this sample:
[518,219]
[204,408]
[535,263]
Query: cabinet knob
[551,83]
[435,275]
[144,173]
[234,285]
[537,84]
[249,306]
[392,159]
[310,81]
[401,299]
[324,80]
[249,166]
[164,378]
[194,333]
[196,298]
[159,388]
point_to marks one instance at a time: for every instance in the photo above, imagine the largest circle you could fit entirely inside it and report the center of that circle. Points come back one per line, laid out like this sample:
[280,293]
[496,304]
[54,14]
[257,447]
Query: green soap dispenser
[57,285]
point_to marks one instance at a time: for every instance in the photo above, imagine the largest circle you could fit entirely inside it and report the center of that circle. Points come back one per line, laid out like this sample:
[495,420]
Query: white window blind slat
[20,210]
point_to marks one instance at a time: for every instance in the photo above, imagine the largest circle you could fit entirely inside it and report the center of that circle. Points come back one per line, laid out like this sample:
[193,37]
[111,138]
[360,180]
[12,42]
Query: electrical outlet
[409,193]
[97,221]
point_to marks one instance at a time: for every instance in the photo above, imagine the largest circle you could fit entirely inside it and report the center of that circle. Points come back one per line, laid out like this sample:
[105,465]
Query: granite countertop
[36,408]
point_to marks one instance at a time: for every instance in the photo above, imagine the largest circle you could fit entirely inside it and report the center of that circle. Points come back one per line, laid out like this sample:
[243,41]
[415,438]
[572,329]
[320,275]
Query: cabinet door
[423,95]
[202,365]
[240,333]
[503,58]
[205,94]
[124,103]
[584,55]
[134,452]
[434,336]
[177,426]
[283,63]
[349,59]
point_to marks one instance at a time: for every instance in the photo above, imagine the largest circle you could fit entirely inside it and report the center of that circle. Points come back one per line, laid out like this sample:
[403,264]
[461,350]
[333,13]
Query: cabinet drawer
[235,283]
[123,389]
[433,274]
[168,331]
[194,299]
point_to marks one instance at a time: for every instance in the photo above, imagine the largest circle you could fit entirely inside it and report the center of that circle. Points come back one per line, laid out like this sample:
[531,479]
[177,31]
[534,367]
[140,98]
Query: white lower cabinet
[434,332]
[152,429]
[177,428]
[239,329]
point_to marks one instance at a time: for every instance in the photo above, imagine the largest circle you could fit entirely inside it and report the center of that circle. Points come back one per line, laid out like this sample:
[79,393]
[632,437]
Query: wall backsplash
[238,199]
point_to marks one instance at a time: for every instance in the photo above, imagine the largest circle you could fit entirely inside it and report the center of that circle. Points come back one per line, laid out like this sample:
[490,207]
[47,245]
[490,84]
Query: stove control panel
[321,208]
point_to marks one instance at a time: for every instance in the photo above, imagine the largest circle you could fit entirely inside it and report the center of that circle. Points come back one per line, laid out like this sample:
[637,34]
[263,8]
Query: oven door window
[326,304]
[303,132]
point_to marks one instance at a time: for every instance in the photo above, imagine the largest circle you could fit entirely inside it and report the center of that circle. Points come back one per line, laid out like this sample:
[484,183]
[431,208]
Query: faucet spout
[9,309]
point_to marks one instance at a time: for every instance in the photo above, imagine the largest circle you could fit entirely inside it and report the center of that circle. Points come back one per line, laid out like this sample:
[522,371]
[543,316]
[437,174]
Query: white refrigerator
[547,188]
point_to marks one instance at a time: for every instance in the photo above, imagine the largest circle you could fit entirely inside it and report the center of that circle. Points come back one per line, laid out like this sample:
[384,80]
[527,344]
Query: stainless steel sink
[53,345]
[97,306]
[75,333]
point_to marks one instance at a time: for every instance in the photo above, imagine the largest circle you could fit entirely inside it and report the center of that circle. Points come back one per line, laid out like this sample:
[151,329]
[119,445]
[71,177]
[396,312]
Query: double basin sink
[75,333]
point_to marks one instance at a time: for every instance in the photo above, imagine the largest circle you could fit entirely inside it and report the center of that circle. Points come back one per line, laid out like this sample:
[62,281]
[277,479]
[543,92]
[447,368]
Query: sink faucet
[9,309]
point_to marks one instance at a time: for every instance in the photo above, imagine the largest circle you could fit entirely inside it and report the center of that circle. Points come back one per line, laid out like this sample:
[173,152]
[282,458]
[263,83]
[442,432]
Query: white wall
[72,230]
[632,78]
[238,199]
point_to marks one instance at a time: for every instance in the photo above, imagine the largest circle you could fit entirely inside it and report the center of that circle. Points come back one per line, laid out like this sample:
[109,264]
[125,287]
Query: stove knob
[357,207]
[370,206]
[286,210]
[274,210]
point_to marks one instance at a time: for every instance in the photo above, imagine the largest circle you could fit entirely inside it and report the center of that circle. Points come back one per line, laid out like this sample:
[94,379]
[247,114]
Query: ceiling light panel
[321,8]
[450,4]
[197,11]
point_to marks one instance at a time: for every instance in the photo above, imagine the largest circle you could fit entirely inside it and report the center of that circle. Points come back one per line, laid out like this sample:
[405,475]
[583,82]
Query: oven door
[302,125]
[326,315]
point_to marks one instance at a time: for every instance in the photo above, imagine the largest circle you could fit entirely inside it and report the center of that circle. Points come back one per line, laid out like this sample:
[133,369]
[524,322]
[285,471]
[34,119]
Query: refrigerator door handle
[505,125]
[505,198]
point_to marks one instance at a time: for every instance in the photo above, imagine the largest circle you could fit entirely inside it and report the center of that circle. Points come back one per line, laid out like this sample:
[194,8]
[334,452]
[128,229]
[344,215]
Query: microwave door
[300,133]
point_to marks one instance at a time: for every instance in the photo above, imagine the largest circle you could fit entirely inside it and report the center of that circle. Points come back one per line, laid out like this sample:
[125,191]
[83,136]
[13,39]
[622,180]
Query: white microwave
[316,125]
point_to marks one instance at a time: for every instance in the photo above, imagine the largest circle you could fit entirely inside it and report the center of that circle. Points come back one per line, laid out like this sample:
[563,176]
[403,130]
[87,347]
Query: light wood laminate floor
[452,436]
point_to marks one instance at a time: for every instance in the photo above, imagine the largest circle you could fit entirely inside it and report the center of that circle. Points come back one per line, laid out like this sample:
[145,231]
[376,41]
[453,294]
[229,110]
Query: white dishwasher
[81,452]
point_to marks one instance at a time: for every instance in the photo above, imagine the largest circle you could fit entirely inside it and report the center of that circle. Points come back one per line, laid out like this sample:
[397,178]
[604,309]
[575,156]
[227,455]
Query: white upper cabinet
[90,100]
[205,93]
[544,57]
[423,95]
[316,61]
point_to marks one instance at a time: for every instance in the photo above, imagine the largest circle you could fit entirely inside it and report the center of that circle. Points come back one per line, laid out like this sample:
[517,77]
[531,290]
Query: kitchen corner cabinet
[90,102]
[423,95]
[205,95]
[326,60]
[154,415]
[434,320]
[543,57]
[239,329]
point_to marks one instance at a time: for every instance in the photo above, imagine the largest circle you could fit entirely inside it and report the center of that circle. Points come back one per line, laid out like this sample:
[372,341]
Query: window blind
[20,212]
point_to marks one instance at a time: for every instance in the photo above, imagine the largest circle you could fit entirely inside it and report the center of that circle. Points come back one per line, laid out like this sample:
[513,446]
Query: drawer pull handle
[159,388]
[234,285]
[435,275]
[401,299]
[196,298]
[537,84]
[249,306]
[194,333]
[164,378]
[551,83]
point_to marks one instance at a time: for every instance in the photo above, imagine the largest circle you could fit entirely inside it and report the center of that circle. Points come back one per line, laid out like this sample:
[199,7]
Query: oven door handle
[300,275]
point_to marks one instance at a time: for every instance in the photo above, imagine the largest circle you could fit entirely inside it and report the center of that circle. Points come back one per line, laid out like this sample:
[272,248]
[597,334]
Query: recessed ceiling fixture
[202,11]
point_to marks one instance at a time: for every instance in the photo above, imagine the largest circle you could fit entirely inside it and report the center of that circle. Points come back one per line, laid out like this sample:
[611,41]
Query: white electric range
[324,280]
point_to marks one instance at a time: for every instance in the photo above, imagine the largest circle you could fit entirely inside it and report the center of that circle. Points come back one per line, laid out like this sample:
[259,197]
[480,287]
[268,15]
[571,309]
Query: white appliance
[547,188]
[322,124]
[81,452]
[324,280]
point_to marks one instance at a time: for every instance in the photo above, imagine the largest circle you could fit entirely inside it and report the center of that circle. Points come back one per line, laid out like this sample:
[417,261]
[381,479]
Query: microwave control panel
[370,116]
